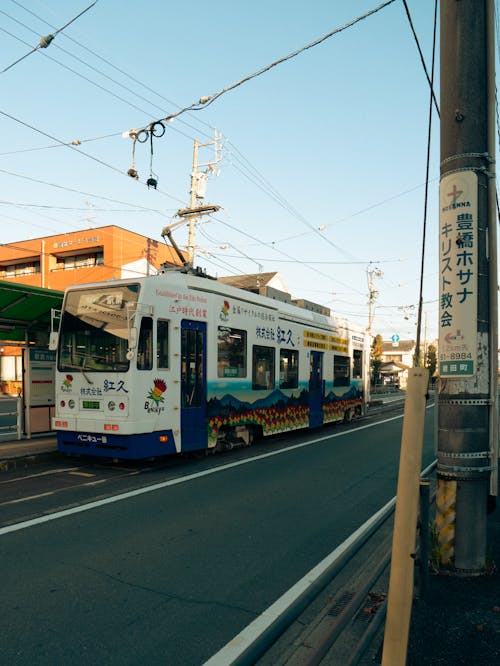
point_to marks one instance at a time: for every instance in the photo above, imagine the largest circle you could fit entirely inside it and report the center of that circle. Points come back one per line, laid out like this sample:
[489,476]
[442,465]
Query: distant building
[76,257]
[397,358]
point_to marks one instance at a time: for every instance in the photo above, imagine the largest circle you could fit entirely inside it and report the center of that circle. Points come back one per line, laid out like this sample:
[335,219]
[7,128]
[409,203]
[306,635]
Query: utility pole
[372,294]
[467,437]
[197,191]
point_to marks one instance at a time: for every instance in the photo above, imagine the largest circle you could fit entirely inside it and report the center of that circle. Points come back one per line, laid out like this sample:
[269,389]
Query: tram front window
[94,330]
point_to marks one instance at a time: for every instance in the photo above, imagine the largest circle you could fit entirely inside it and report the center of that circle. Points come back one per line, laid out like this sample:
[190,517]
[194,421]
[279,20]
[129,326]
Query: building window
[263,368]
[16,270]
[75,261]
[289,368]
[231,352]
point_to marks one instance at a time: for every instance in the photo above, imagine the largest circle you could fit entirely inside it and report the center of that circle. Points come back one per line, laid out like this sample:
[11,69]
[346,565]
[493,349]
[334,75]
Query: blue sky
[335,138]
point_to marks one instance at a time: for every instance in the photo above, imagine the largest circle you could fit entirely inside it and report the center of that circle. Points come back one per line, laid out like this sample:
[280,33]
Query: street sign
[458,256]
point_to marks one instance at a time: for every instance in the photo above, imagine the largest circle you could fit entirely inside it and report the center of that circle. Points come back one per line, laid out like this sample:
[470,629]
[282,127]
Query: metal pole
[464,390]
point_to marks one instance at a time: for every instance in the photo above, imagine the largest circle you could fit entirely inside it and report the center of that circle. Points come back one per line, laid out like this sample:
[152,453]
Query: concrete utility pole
[197,191]
[372,294]
[467,437]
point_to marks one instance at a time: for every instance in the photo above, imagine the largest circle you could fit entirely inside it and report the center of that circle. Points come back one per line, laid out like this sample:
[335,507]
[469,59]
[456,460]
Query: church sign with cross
[458,275]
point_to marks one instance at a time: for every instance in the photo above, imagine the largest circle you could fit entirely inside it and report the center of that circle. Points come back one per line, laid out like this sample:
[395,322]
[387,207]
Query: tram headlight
[71,404]
[111,405]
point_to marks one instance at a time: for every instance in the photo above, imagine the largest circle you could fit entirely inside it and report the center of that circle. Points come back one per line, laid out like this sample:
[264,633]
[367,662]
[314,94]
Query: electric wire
[205,101]
[59,145]
[78,151]
[121,71]
[45,41]
[424,226]
[297,261]
[430,80]
[75,191]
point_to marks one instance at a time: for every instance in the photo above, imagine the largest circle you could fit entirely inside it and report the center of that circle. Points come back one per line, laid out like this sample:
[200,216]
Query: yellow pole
[401,581]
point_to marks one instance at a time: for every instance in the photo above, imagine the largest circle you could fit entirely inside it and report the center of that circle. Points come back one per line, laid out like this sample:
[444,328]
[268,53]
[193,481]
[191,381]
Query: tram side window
[263,368]
[145,345]
[231,352]
[289,368]
[162,343]
[357,363]
[341,370]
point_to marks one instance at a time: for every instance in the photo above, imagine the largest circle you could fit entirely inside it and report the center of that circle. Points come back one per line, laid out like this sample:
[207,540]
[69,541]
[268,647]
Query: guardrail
[254,641]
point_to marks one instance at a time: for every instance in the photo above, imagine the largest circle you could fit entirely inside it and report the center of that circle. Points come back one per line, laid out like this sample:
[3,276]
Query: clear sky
[324,158]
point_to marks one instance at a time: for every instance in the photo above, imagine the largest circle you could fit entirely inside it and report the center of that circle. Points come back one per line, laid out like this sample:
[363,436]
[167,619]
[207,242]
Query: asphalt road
[187,553]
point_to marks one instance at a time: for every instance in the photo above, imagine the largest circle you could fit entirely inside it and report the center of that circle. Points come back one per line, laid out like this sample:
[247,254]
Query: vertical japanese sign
[458,274]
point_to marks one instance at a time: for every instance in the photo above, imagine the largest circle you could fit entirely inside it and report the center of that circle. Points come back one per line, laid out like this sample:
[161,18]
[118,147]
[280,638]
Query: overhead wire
[297,261]
[205,101]
[424,226]
[127,74]
[265,185]
[45,41]
[430,79]
[80,152]
[276,195]
[71,189]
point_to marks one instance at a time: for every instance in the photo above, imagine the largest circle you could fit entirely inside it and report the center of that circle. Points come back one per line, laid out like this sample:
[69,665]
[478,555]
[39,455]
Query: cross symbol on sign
[455,193]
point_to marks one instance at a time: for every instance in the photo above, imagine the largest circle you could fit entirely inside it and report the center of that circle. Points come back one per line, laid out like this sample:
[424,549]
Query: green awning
[25,312]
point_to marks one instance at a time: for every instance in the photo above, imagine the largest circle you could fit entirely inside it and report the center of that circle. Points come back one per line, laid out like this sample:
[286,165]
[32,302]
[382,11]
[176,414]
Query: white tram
[178,362]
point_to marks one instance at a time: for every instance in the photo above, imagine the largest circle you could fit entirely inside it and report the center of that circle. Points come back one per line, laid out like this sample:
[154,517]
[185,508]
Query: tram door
[316,389]
[194,431]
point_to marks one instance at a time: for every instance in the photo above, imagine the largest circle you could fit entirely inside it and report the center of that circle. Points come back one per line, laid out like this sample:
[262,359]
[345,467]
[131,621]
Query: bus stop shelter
[25,324]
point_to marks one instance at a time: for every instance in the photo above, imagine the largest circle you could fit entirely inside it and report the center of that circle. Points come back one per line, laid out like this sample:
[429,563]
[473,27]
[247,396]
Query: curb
[27,460]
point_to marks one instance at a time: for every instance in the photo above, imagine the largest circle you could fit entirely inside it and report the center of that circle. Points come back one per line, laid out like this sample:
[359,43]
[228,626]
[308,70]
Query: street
[170,562]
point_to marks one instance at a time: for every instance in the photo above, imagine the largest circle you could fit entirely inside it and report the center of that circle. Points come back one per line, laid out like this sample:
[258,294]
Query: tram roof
[25,312]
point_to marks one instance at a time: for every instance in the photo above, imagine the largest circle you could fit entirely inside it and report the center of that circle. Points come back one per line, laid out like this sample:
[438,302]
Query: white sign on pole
[458,195]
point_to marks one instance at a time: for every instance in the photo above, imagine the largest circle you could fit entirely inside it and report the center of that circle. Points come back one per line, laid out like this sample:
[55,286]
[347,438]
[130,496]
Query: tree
[431,359]
[376,358]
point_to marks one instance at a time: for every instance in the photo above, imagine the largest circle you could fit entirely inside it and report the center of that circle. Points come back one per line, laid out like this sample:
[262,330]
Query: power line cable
[424,227]
[45,41]
[70,189]
[127,74]
[80,152]
[297,261]
[205,101]
[429,80]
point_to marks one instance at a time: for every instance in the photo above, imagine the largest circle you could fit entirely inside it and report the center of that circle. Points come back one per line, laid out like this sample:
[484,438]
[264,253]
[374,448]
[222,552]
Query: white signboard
[458,274]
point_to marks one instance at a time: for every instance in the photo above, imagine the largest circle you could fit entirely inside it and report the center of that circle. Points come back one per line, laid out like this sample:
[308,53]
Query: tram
[179,362]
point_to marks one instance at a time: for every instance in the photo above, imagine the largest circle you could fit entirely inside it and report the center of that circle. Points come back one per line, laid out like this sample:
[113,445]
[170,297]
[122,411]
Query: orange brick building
[91,255]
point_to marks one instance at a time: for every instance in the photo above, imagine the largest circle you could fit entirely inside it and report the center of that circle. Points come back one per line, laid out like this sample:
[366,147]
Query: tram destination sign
[458,195]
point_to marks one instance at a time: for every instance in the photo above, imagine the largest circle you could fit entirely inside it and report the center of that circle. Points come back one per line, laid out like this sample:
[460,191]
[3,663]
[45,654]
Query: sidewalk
[458,623]
[25,452]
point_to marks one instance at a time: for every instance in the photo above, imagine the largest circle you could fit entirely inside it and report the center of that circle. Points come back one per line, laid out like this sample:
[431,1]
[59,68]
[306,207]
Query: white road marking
[174,482]
[35,476]
[26,499]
